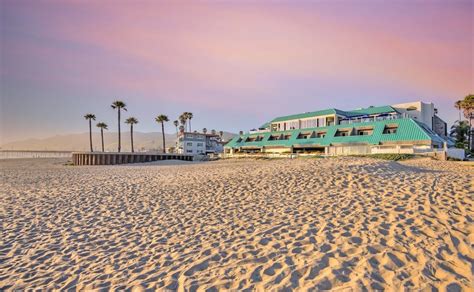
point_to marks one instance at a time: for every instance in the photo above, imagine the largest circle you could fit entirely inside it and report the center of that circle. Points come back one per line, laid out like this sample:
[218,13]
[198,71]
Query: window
[295,124]
[321,122]
[200,144]
[366,131]
[254,139]
[342,133]
[189,144]
[250,139]
[189,151]
[274,137]
[329,121]
[321,134]
[309,123]
[390,129]
[304,135]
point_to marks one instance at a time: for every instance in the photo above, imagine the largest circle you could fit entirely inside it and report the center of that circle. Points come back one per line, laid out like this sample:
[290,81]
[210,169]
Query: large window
[320,134]
[304,135]
[321,122]
[250,139]
[293,125]
[366,131]
[342,133]
[189,144]
[390,129]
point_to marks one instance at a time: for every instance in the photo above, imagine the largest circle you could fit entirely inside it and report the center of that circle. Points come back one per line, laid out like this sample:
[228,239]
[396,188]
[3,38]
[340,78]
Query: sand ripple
[242,224]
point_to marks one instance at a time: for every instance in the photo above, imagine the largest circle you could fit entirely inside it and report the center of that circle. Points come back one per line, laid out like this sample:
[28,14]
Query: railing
[13,154]
[373,119]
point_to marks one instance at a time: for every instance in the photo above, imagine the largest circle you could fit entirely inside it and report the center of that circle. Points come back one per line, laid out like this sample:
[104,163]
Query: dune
[324,224]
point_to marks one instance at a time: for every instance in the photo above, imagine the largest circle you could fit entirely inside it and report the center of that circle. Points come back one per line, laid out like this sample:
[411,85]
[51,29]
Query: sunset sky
[234,65]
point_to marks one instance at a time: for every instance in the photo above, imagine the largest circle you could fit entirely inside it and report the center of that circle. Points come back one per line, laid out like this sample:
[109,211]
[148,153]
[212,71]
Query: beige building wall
[418,110]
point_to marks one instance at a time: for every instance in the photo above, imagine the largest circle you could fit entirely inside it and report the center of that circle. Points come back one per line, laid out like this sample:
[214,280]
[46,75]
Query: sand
[328,224]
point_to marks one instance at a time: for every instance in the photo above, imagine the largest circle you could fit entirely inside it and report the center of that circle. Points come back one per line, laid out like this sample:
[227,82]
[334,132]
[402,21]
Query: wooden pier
[112,158]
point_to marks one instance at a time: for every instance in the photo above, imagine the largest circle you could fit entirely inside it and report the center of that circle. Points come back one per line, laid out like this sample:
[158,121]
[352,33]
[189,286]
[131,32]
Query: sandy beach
[326,224]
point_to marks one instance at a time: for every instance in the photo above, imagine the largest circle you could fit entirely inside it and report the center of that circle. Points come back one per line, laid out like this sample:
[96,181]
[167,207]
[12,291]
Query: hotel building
[402,128]
[198,143]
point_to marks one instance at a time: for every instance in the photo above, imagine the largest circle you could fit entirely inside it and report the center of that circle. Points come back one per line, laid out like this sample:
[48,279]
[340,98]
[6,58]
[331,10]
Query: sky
[233,64]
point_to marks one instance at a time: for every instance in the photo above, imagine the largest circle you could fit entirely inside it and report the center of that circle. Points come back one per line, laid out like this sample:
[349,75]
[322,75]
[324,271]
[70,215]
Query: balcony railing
[373,119]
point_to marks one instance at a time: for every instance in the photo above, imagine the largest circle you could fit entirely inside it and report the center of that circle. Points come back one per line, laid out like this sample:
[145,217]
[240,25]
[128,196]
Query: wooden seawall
[111,158]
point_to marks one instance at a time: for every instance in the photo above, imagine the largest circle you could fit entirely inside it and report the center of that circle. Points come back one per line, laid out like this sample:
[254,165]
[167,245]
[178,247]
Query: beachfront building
[199,143]
[402,128]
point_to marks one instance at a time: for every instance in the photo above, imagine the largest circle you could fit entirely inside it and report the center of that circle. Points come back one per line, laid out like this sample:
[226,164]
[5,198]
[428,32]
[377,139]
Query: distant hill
[80,142]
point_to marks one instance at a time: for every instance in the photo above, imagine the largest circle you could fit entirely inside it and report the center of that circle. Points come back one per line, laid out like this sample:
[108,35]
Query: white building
[199,143]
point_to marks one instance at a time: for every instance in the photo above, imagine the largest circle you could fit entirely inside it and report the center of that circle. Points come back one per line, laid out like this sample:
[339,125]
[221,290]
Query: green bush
[393,157]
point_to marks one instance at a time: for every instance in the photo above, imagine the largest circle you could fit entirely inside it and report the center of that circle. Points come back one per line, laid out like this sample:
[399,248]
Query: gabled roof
[373,110]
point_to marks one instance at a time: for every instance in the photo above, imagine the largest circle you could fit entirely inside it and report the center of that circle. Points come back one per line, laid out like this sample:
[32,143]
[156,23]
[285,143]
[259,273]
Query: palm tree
[119,105]
[221,133]
[176,123]
[204,130]
[467,106]
[213,132]
[189,116]
[162,119]
[102,126]
[458,106]
[460,131]
[90,117]
[131,121]
[183,119]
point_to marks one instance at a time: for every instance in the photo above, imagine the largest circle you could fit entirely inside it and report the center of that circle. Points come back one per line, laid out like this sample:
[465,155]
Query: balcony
[372,119]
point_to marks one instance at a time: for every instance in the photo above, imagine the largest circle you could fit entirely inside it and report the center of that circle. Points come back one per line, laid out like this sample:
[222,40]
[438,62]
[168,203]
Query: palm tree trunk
[119,130]
[102,136]
[90,134]
[163,133]
[469,136]
[190,130]
[131,135]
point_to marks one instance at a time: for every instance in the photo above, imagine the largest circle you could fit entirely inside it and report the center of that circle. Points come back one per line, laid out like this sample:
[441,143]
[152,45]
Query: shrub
[393,157]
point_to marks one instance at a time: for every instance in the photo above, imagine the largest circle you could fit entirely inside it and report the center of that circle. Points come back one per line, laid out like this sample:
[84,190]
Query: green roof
[305,115]
[264,126]
[373,110]
[408,130]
